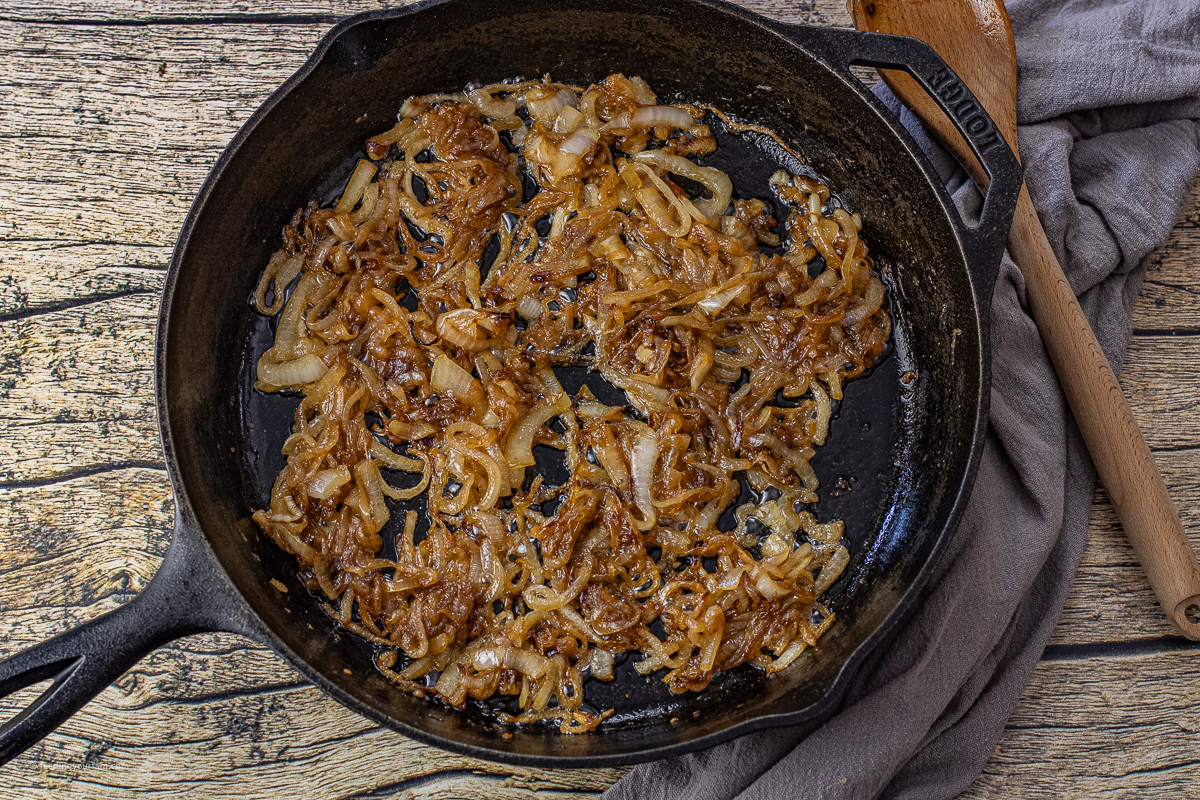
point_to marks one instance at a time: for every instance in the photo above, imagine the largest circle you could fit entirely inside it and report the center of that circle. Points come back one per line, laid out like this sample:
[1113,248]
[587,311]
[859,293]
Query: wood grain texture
[144,114]
[202,12]
[1170,299]
[81,395]
[1124,726]
[130,112]
[79,546]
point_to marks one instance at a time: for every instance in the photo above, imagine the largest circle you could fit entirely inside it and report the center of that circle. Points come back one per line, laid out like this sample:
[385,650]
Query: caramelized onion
[645,453]
[432,304]
[491,107]
[354,189]
[580,142]
[304,370]
[545,106]
[449,377]
[526,662]
[871,302]
[716,181]
[654,116]
[518,449]
[326,482]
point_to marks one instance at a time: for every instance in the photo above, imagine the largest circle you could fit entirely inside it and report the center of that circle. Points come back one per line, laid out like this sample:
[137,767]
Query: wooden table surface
[111,113]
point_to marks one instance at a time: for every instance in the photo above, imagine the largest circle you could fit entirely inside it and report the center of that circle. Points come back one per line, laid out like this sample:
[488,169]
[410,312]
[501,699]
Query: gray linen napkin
[1109,106]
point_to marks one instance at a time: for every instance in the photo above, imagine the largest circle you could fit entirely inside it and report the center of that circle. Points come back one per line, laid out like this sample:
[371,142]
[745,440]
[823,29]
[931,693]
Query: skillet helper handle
[181,599]
[82,662]
[984,241]
[1114,440]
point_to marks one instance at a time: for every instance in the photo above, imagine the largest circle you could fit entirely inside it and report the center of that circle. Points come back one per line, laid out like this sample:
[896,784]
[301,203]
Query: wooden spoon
[975,38]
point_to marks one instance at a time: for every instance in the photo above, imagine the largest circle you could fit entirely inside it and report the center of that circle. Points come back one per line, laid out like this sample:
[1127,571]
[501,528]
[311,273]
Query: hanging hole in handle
[937,87]
[26,691]
[1186,616]
[55,670]
[867,76]
[22,699]
[943,130]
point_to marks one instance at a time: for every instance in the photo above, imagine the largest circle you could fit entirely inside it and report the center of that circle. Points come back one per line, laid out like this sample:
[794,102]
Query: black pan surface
[903,450]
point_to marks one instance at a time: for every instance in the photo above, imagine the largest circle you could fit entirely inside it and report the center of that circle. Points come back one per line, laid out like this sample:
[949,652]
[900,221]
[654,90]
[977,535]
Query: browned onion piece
[580,142]
[518,449]
[871,302]
[326,482]
[304,370]
[490,106]
[642,459]
[545,106]
[449,377]
[653,116]
[519,587]
[716,181]
[354,189]
[524,661]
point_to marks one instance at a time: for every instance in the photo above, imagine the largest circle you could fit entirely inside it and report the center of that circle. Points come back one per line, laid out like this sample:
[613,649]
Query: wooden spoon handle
[1116,444]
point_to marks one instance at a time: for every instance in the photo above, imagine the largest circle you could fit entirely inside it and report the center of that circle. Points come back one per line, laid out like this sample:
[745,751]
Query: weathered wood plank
[1155,379]
[222,716]
[1101,727]
[142,112]
[41,278]
[1169,299]
[77,389]
[76,548]
[813,12]
[193,12]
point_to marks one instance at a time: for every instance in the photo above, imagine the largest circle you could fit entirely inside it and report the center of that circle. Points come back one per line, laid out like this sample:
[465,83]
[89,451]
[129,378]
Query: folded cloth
[1109,113]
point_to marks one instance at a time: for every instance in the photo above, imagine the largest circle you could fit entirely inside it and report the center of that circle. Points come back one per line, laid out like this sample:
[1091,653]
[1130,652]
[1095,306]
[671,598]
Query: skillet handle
[189,594]
[841,48]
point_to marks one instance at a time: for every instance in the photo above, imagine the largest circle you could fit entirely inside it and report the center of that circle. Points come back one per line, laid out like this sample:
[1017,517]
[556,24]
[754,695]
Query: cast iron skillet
[907,449]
